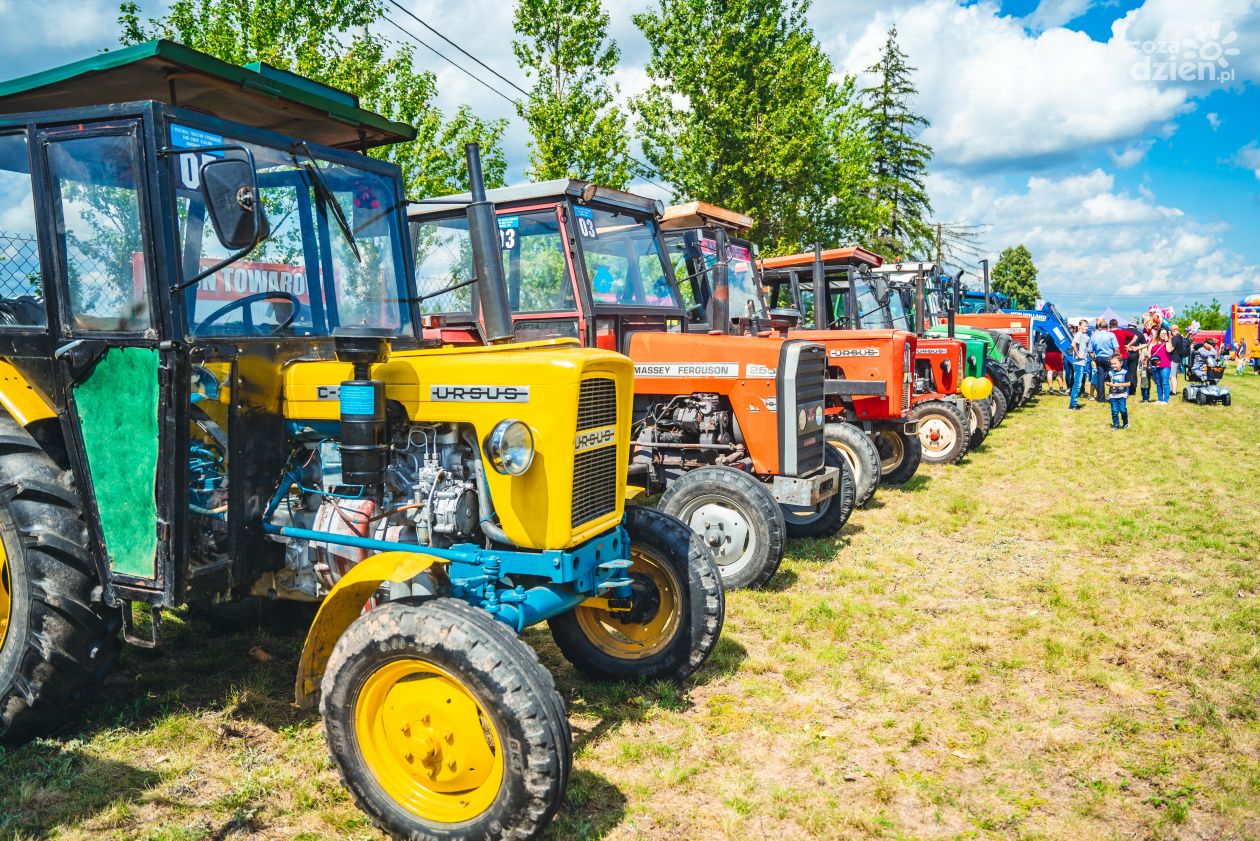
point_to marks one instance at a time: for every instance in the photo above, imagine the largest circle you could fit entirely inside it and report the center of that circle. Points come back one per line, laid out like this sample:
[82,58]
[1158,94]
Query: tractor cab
[178,231]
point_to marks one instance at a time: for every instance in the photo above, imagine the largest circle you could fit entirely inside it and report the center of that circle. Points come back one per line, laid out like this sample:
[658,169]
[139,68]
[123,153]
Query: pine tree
[743,112]
[1015,276]
[900,159]
[576,128]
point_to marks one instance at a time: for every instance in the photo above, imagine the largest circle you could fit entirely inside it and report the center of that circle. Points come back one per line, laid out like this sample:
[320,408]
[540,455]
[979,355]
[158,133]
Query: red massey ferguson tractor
[728,428]
[848,295]
[868,387]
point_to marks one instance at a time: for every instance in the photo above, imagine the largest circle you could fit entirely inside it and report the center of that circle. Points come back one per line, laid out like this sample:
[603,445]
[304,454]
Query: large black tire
[859,451]
[1227,399]
[980,420]
[829,517]
[677,609]
[899,454]
[738,519]
[943,433]
[477,666]
[58,644]
[999,407]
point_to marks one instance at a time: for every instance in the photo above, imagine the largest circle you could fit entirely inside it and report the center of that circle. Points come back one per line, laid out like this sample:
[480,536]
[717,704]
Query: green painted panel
[118,408]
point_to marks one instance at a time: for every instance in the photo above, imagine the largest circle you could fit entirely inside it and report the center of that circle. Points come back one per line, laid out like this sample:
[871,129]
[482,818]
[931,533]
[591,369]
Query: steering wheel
[247,317]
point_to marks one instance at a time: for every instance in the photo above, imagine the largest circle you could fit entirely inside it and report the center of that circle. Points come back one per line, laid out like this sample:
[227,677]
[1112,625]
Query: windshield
[624,263]
[743,295]
[305,278]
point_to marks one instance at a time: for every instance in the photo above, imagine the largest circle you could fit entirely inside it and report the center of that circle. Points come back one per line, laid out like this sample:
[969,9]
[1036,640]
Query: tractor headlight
[801,419]
[510,447]
[818,415]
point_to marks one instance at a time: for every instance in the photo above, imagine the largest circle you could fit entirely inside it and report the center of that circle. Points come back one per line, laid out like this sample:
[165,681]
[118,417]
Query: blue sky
[1047,125]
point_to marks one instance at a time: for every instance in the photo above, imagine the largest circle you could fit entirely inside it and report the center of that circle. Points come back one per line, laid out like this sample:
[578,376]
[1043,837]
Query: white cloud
[60,24]
[1248,157]
[1007,95]
[1132,155]
[1214,120]
[1052,13]
[1091,239]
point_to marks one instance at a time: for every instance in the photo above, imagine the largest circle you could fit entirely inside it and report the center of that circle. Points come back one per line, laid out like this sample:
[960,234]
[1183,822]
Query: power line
[437,53]
[644,165]
[417,19]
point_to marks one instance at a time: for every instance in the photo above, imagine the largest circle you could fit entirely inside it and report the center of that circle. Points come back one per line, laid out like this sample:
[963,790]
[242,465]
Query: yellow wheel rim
[428,741]
[6,600]
[648,627]
[896,450]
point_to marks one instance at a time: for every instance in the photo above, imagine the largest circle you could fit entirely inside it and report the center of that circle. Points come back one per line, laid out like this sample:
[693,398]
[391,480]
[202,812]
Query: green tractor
[215,389]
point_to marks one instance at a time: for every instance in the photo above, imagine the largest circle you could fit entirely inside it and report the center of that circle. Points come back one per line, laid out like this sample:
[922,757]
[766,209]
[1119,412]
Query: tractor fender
[343,604]
[22,402]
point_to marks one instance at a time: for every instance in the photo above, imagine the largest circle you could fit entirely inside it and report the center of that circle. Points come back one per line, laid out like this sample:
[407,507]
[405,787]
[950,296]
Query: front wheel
[830,515]
[980,420]
[737,518]
[943,431]
[677,607]
[899,454]
[859,451]
[444,725]
[999,407]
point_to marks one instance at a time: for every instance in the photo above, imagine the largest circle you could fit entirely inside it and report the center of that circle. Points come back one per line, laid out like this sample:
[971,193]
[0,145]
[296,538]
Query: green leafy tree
[1210,316]
[743,112]
[576,128]
[1015,275]
[329,41]
[900,159]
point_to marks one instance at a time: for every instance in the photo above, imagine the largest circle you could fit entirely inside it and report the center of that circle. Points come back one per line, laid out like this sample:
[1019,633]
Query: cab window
[21,279]
[534,262]
[96,184]
[624,263]
[443,260]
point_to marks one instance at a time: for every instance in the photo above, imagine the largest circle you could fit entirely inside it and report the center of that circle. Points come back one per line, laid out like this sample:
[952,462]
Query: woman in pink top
[1161,365]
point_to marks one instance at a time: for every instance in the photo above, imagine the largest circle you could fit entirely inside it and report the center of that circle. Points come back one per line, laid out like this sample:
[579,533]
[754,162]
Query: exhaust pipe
[985,263]
[920,304]
[483,235]
[720,300]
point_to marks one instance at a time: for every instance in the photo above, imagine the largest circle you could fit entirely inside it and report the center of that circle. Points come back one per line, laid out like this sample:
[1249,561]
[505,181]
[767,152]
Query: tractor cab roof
[850,255]
[256,95]
[557,190]
[698,214]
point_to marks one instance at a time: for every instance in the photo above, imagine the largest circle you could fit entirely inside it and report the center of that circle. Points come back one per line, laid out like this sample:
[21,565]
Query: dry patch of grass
[1057,639]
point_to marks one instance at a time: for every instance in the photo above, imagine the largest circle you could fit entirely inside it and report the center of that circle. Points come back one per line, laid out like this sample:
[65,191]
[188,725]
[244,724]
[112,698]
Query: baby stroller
[1203,379]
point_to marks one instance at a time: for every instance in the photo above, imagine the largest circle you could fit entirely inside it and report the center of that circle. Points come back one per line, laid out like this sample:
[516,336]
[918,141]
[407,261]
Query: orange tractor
[729,429]
[869,374]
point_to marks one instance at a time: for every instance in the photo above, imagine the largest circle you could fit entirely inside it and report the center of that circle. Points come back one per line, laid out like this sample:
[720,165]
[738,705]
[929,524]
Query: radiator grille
[908,382]
[811,371]
[597,404]
[595,471]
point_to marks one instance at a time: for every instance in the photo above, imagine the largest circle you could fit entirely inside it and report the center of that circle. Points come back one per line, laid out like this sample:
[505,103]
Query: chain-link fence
[19,266]
[97,289]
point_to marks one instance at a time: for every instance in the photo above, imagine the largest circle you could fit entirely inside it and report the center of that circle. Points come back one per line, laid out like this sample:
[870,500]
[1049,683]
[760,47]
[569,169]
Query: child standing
[1118,386]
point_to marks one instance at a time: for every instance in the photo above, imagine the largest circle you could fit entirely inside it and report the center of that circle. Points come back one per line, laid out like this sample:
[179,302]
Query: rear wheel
[943,433]
[443,725]
[980,419]
[859,451]
[676,612]
[737,518]
[56,644]
[899,454]
[1227,399]
[829,516]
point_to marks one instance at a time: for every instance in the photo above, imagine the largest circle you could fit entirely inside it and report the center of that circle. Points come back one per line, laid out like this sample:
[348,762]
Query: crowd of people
[1111,363]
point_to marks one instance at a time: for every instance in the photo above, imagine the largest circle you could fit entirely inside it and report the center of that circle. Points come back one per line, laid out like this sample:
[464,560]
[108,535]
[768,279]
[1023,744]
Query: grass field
[1056,639]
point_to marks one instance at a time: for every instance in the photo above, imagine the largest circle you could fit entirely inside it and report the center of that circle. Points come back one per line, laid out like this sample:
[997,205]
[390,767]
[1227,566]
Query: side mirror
[230,191]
